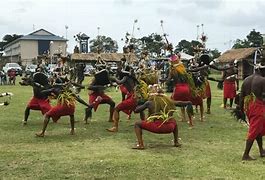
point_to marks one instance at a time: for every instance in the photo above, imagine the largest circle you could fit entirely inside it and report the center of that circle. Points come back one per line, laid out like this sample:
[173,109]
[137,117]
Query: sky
[223,21]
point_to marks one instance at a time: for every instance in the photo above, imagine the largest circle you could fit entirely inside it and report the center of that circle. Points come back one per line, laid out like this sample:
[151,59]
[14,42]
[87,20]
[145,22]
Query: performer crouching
[96,97]
[160,120]
[65,105]
[129,104]
[40,100]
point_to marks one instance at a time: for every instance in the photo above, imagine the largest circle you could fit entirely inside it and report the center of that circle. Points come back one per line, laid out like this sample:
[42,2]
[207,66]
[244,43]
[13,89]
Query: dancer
[160,120]
[40,100]
[181,90]
[129,104]
[97,96]
[252,101]
[65,105]
[231,84]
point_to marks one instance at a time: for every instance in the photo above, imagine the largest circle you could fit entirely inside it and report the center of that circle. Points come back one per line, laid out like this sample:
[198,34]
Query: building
[244,56]
[108,57]
[23,50]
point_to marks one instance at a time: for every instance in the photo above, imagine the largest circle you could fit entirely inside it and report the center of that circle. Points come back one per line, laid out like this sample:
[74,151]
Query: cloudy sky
[223,20]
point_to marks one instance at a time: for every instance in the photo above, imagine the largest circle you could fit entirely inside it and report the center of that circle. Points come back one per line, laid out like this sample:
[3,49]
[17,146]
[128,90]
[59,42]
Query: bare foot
[138,147]
[190,123]
[182,120]
[262,154]
[72,132]
[202,119]
[113,129]
[110,120]
[190,127]
[176,144]
[86,122]
[24,123]
[248,158]
[40,134]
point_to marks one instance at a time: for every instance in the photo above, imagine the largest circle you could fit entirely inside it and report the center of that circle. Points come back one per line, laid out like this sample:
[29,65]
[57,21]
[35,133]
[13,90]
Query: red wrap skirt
[255,114]
[128,105]
[93,97]
[181,92]
[39,104]
[229,89]
[159,127]
[61,110]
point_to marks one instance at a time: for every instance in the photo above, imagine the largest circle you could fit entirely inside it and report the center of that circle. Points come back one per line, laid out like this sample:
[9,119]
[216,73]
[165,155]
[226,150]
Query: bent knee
[138,124]
[112,104]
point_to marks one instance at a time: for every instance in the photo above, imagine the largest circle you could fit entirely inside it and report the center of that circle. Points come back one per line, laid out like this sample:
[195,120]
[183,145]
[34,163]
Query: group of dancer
[139,91]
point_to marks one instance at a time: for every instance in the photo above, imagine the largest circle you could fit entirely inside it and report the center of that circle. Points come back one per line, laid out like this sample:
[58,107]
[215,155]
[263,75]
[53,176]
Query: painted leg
[72,123]
[116,117]
[175,133]
[231,102]
[190,116]
[139,136]
[246,156]
[26,116]
[260,144]
[209,102]
[225,100]
[88,114]
[201,112]
[111,109]
[183,118]
[45,124]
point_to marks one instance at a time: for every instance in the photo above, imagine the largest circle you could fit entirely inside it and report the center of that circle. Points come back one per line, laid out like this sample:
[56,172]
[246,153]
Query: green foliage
[241,44]
[188,47]
[254,39]
[103,44]
[215,53]
[153,43]
[184,46]
[7,39]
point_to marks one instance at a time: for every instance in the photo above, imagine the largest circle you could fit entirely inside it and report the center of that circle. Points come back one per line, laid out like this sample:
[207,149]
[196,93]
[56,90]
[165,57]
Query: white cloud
[223,19]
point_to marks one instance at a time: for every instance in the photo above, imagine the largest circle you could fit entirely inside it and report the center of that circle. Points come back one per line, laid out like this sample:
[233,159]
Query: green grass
[212,150]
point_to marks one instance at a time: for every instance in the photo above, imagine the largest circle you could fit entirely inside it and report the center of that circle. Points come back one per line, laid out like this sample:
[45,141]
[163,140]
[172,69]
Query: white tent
[185,56]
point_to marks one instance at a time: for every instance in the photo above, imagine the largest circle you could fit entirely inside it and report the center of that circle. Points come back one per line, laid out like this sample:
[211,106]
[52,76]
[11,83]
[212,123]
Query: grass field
[212,150]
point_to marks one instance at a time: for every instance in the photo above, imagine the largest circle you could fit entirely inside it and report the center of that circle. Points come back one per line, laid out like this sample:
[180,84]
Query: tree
[241,44]
[153,43]
[188,47]
[254,39]
[103,44]
[215,53]
[7,39]
[183,46]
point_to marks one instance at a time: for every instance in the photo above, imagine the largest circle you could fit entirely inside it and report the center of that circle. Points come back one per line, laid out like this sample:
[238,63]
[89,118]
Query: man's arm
[220,68]
[198,68]
[241,97]
[81,100]
[141,108]
[122,81]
